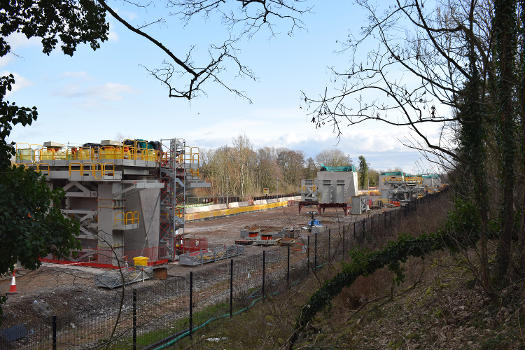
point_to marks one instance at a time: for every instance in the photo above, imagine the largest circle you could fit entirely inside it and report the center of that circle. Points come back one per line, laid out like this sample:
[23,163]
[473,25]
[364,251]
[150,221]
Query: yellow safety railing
[131,217]
[416,179]
[108,169]
[126,218]
[42,164]
[46,154]
[393,179]
[96,170]
[74,164]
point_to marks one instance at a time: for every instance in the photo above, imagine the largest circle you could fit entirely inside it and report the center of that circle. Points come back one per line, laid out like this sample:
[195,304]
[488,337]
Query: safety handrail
[108,172]
[126,218]
[40,164]
[80,165]
[96,170]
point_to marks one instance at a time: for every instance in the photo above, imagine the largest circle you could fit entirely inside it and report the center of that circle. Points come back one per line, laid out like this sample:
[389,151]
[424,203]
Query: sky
[107,93]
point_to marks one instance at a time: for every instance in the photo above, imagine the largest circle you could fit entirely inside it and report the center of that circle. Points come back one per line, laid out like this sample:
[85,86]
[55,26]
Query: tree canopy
[31,224]
[333,157]
[363,173]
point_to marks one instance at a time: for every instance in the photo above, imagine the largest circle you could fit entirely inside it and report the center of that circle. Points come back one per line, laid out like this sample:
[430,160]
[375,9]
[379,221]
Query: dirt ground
[71,289]
[218,231]
[225,230]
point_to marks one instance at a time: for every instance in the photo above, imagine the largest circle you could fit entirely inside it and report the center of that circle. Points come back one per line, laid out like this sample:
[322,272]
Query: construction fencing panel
[155,314]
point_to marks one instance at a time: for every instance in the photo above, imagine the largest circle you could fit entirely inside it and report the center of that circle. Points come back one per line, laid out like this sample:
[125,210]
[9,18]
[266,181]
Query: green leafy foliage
[10,115]
[70,21]
[31,223]
[363,173]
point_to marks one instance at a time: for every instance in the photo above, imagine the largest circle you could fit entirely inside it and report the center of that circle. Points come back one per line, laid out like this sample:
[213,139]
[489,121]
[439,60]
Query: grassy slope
[437,307]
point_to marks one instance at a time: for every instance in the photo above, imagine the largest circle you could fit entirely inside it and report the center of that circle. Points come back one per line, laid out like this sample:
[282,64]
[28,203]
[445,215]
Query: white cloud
[19,40]
[291,128]
[20,82]
[75,75]
[112,36]
[4,60]
[114,91]
[107,91]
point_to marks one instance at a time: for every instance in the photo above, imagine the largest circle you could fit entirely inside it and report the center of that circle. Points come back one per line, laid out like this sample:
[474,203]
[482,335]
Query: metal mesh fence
[170,309]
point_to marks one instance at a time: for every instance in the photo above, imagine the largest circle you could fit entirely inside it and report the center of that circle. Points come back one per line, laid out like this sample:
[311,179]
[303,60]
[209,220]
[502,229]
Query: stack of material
[210,255]
[114,279]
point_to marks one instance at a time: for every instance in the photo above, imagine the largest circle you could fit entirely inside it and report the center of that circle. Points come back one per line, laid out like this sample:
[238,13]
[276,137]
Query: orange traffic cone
[12,288]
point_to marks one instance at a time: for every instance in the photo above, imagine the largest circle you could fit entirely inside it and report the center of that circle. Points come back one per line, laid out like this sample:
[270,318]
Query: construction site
[137,230]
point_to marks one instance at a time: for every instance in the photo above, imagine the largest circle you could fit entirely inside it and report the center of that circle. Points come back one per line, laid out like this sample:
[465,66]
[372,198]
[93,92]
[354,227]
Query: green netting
[337,168]
[392,173]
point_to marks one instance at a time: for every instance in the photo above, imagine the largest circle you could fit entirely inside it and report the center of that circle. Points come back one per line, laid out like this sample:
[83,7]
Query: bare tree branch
[183,77]
[412,78]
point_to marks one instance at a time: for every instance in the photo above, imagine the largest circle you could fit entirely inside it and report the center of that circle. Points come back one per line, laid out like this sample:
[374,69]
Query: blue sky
[107,94]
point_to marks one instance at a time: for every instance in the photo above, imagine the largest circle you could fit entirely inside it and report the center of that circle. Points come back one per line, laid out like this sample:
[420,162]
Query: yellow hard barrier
[46,154]
[35,153]
[416,179]
[80,168]
[24,152]
[83,154]
[108,152]
[393,179]
[151,155]
[60,155]
[118,218]
[164,157]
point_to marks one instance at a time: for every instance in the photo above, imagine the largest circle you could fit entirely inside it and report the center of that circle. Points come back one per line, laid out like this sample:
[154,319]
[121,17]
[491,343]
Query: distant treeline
[241,170]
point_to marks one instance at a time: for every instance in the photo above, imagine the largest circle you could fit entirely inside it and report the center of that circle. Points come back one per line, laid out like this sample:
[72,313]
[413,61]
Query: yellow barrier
[233,211]
[126,218]
[96,170]
[108,172]
[39,165]
[80,169]
[83,154]
[46,154]
[37,153]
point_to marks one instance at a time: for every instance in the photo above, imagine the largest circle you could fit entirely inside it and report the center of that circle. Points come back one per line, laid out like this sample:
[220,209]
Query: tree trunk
[505,29]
